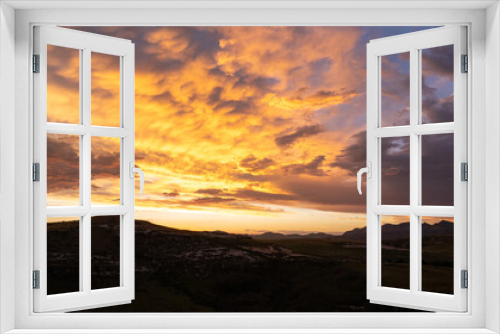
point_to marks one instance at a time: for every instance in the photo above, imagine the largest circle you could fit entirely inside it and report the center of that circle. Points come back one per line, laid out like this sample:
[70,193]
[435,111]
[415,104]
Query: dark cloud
[256,195]
[353,157]
[104,93]
[173,193]
[402,117]
[437,167]
[437,170]
[259,82]
[312,168]
[395,78]
[217,72]
[395,166]
[302,132]
[255,177]
[327,194]
[149,57]
[210,200]
[235,106]
[214,96]
[435,109]
[199,43]
[319,70]
[105,164]
[323,94]
[295,70]
[264,83]
[229,106]
[63,148]
[166,96]
[254,164]
[395,179]
[395,81]
[395,99]
[210,191]
[63,170]
[60,58]
[438,61]
[170,64]
[202,42]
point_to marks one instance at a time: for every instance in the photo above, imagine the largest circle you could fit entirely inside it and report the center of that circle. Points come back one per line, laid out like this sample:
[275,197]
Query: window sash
[87,43]
[412,43]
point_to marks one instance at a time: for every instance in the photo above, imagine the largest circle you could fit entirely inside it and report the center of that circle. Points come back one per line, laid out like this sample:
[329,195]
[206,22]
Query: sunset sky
[249,129]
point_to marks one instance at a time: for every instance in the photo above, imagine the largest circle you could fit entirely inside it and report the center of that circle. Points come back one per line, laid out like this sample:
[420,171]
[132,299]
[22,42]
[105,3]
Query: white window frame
[483,314]
[413,43]
[86,44]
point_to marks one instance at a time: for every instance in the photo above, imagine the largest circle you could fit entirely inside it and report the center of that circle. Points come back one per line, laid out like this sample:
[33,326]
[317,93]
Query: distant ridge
[401,231]
[281,236]
[389,231]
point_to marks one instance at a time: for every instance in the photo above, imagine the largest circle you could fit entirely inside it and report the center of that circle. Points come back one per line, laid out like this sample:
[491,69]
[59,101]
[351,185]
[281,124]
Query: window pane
[105,252]
[63,170]
[105,171]
[437,254]
[105,90]
[395,179]
[395,239]
[437,84]
[395,78]
[63,85]
[63,255]
[437,170]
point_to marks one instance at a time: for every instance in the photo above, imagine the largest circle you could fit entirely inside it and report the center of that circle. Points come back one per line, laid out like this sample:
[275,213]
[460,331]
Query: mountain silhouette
[281,236]
[402,231]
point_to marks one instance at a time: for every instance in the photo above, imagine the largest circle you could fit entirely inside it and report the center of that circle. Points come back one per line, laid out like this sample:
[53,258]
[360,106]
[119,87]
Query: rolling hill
[402,231]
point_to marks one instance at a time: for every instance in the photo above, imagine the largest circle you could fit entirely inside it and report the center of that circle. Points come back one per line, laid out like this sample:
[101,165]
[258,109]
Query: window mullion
[85,186]
[414,172]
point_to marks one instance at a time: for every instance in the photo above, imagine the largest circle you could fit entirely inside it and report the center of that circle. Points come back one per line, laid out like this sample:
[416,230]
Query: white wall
[284,17]
[492,164]
[7,160]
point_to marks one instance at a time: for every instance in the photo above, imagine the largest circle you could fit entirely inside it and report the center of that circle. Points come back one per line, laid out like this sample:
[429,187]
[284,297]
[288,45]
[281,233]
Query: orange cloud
[245,121]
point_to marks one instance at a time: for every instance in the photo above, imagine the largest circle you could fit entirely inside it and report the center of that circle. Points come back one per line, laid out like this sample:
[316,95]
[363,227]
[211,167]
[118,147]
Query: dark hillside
[186,271]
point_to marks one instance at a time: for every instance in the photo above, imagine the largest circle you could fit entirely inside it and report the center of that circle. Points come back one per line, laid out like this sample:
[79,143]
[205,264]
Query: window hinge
[36,63]
[465,279]
[464,171]
[36,279]
[465,64]
[36,172]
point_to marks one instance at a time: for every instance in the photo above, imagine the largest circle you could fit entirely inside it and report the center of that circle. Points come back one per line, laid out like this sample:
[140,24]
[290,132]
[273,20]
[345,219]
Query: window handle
[134,170]
[368,171]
